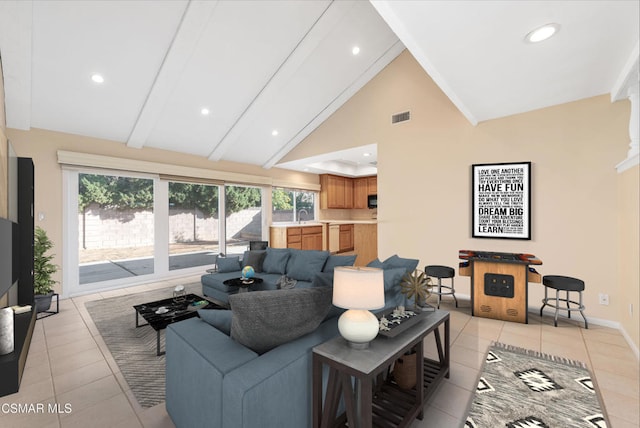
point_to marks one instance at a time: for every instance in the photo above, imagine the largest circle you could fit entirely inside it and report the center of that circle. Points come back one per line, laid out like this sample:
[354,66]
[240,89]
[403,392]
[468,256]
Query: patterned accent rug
[134,349]
[521,388]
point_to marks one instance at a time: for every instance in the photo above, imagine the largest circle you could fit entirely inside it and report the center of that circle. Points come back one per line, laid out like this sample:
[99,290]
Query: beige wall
[4,198]
[42,146]
[629,254]
[424,177]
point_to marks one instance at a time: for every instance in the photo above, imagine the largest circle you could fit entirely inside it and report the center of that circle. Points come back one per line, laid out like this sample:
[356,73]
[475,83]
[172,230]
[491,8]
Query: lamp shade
[358,287]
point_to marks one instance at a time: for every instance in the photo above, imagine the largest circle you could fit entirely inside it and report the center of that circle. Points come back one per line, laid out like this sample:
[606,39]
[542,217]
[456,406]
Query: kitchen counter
[372,221]
[296,224]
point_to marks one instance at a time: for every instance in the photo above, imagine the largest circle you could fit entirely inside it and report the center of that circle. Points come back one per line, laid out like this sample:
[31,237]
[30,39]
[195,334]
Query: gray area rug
[520,388]
[134,349]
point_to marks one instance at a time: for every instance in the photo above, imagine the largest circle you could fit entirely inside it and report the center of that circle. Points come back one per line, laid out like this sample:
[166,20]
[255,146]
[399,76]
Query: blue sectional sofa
[223,369]
[305,266]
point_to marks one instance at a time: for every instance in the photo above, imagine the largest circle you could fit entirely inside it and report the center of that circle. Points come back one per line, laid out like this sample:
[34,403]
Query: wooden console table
[499,283]
[376,398]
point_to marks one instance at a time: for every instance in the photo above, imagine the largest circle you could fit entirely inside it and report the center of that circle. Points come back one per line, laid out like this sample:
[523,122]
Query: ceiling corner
[387,11]
[629,75]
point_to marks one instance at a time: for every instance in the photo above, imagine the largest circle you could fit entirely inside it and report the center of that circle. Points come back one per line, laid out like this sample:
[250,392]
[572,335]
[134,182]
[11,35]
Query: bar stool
[567,284]
[440,272]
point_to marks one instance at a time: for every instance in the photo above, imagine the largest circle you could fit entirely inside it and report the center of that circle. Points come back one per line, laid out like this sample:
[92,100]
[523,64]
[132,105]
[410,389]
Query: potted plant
[43,270]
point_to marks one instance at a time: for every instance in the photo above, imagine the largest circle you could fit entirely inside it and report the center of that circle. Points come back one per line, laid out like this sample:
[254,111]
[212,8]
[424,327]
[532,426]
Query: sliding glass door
[127,228]
[194,224]
[243,217]
[116,224]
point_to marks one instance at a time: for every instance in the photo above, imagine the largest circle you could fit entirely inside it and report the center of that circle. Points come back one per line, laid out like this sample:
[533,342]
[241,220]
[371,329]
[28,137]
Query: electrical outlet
[603,299]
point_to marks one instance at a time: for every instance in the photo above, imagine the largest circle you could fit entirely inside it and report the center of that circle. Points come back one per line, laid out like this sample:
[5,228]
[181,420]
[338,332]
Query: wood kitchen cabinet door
[372,185]
[346,237]
[335,192]
[360,192]
[312,238]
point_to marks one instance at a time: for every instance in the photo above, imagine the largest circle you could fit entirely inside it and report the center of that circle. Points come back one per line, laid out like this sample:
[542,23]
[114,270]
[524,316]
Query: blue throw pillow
[376,264]
[398,262]
[335,261]
[305,264]
[219,318]
[228,264]
[276,260]
[392,295]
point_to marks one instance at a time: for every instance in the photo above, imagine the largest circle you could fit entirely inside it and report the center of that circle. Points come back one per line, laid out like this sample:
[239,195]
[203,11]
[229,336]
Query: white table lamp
[358,289]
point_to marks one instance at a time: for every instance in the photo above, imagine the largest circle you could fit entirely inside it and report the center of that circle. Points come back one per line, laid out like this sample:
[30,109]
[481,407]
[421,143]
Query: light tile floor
[70,369]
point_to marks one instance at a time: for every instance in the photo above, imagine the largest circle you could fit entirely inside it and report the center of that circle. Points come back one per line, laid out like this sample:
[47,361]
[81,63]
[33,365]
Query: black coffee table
[177,311]
[241,283]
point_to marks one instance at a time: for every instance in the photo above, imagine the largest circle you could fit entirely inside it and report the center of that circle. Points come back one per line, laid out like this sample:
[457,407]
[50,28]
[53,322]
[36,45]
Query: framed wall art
[501,195]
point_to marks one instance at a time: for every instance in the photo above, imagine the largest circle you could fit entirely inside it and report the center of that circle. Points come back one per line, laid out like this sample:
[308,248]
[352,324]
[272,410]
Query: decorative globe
[248,272]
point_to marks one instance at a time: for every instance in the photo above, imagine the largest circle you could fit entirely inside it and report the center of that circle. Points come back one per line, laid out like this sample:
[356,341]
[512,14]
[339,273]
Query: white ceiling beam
[627,77]
[334,12]
[386,10]
[16,19]
[194,21]
[384,60]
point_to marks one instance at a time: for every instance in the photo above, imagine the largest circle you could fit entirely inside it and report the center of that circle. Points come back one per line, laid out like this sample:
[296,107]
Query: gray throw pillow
[263,320]
[228,264]
[254,259]
[218,318]
[276,260]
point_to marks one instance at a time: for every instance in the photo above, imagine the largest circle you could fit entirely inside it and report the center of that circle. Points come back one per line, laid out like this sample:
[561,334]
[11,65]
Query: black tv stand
[12,365]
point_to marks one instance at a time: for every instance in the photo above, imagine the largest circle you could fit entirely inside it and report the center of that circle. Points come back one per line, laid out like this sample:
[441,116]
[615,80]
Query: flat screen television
[8,248]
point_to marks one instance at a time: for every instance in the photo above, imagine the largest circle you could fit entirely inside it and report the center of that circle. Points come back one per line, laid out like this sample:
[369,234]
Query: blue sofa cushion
[255,259]
[305,264]
[275,260]
[228,264]
[398,262]
[334,261]
[218,318]
[263,320]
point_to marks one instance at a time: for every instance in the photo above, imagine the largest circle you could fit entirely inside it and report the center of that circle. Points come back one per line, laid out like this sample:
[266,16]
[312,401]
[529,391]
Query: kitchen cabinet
[336,192]
[298,237]
[372,185]
[346,238]
[360,192]
[311,238]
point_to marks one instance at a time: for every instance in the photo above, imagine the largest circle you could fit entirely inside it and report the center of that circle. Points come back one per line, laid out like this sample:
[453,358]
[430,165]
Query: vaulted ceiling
[269,72]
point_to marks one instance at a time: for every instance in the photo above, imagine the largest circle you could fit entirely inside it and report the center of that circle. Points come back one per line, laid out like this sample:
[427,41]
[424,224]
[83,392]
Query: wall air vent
[401,117]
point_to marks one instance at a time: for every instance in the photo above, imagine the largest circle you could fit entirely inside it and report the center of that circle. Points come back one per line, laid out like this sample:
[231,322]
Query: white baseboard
[596,321]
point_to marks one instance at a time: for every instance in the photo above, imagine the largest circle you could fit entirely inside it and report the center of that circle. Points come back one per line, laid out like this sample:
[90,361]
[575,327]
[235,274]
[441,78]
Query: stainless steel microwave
[372,201]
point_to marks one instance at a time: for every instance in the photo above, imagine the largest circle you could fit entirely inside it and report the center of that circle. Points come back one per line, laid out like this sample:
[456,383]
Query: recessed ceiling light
[306,169]
[355,50]
[542,33]
[366,154]
[97,78]
[205,111]
[274,132]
